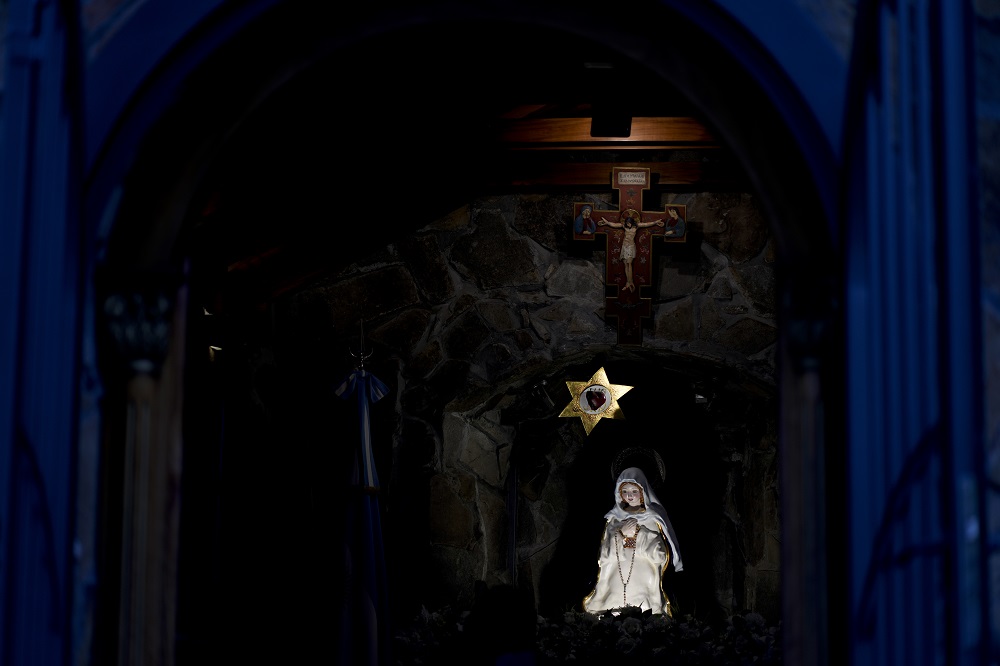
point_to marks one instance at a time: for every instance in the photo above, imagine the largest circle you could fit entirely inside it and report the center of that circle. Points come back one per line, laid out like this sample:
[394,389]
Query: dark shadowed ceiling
[403,128]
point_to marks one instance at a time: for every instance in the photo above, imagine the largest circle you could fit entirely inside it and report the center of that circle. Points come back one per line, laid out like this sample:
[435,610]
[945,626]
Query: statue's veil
[625,470]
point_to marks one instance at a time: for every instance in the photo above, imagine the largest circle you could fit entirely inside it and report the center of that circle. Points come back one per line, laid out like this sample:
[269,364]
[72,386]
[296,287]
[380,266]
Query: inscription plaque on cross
[630,232]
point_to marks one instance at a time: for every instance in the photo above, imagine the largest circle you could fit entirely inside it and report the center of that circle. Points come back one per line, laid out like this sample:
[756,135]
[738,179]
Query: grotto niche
[520,495]
[476,324]
[707,433]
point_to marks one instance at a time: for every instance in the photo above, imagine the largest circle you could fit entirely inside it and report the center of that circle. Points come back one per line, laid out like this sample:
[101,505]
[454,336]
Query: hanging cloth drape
[365,633]
[369,389]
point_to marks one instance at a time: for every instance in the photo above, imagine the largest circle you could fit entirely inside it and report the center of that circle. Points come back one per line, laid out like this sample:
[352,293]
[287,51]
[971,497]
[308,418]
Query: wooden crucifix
[630,232]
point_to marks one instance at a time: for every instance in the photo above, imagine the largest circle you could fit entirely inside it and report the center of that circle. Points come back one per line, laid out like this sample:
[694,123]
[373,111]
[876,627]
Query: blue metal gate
[918,548]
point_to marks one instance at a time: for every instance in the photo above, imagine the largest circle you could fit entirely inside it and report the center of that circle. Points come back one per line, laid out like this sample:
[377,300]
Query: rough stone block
[748,336]
[757,283]
[675,321]
[494,257]
[429,266]
[576,278]
[451,521]
[500,315]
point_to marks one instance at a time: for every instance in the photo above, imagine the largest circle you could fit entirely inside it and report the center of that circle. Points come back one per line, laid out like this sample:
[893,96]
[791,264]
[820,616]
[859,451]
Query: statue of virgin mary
[637,547]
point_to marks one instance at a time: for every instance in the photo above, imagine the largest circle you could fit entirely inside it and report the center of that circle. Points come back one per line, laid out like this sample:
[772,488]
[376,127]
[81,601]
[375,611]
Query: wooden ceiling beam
[547,133]
[536,174]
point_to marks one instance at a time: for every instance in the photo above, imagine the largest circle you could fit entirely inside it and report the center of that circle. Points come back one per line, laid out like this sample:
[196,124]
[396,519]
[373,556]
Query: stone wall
[478,320]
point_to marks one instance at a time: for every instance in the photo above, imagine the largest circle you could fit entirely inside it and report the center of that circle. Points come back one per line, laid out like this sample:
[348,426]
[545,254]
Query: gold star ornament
[595,399]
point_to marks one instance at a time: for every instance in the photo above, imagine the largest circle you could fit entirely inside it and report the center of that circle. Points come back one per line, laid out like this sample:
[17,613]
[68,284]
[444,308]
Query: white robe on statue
[633,576]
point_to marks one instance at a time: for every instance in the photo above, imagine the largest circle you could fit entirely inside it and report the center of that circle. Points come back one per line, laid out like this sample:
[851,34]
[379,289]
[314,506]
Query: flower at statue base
[632,626]
[628,645]
[585,639]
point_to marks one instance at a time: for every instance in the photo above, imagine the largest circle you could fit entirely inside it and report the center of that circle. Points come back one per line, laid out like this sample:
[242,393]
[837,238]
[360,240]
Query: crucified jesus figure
[630,223]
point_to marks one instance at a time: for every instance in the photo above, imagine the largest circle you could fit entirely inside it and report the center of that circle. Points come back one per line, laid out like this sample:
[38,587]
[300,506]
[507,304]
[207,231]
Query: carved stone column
[808,503]
[148,328]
